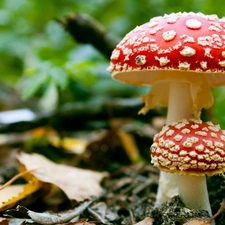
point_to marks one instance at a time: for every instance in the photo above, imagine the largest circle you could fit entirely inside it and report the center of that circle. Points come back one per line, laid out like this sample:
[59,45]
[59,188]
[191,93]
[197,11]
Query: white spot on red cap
[153,47]
[178,137]
[219,144]
[132,40]
[222,63]
[214,26]
[187,38]
[203,65]
[222,137]
[154,30]
[201,133]
[169,35]
[115,55]
[207,52]
[188,51]
[169,132]
[177,45]
[188,144]
[184,66]
[171,19]
[193,154]
[195,126]
[183,153]
[200,147]
[213,134]
[140,60]
[193,24]
[163,61]
[153,24]
[205,41]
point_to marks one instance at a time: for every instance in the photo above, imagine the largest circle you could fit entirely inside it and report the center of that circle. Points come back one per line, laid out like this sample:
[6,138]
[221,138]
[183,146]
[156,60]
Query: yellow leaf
[73,145]
[10,195]
[129,145]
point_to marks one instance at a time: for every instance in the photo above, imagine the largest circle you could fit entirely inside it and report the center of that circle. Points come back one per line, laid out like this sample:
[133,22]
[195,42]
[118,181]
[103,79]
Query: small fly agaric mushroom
[192,149]
[182,55]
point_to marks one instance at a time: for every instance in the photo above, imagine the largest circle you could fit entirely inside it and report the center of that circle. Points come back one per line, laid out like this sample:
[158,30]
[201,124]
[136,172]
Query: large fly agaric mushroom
[181,55]
[191,149]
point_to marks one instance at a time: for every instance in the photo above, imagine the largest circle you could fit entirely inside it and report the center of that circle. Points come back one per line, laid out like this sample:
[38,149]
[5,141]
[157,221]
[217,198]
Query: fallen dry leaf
[129,145]
[77,184]
[146,221]
[82,222]
[198,221]
[55,218]
[4,221]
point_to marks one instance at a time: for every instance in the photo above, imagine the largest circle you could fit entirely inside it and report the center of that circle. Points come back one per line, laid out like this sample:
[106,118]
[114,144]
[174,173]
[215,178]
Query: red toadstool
[182,55]
[191,149]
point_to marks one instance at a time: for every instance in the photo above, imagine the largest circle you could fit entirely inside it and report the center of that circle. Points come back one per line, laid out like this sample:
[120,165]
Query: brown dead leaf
[82,222]
[146,221]
[4,221]
[198,221]
[55,218]
[77,184]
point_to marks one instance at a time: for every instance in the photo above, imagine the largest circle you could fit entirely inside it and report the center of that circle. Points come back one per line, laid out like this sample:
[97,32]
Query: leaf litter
[124,196]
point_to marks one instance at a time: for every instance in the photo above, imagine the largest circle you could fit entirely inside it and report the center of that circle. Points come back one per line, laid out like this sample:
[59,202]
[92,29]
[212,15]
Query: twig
[222,207]
[132,217]
[208,221]
[86,29]
[16,177]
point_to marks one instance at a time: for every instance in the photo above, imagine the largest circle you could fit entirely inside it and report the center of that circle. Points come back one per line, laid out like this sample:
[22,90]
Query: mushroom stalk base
[193,192]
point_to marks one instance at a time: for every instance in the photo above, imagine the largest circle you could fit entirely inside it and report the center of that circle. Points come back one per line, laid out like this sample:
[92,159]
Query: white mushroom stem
[193,192]
[180,102]
[179,107]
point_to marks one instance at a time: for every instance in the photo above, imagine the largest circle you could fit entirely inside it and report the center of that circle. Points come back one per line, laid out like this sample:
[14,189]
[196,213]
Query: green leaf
[41,76]
[49,100]
[59,77]
[83,72]
[33,84]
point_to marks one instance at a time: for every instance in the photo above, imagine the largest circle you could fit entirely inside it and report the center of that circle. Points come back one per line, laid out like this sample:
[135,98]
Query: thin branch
[86,29]
[16,177]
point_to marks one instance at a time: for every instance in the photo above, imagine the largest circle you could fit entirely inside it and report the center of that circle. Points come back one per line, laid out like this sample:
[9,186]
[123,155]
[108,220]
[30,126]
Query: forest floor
[128,188]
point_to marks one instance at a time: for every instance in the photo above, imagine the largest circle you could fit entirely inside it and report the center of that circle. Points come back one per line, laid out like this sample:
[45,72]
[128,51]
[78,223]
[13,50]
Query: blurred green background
[45,68]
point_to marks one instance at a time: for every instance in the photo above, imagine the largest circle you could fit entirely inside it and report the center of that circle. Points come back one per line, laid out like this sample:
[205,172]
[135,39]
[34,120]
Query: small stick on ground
[16,177]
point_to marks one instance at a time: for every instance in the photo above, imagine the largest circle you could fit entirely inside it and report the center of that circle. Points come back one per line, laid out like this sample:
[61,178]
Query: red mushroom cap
[191,42]
[190,147]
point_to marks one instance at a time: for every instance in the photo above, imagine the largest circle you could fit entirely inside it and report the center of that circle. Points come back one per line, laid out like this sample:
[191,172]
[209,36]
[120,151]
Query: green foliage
[42,76]
[219,106]
[40,59]
[82,72]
